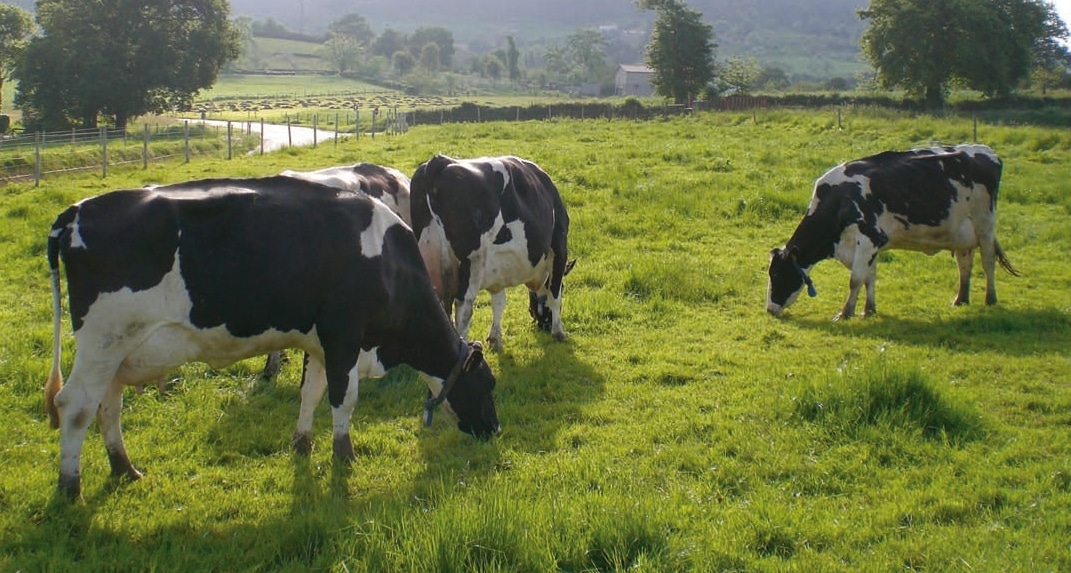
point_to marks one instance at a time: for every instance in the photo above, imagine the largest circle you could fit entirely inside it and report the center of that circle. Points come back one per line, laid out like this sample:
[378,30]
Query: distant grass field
[679,428]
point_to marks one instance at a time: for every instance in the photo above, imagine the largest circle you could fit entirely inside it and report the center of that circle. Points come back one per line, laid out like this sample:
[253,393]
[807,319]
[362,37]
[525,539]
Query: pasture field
[679,428]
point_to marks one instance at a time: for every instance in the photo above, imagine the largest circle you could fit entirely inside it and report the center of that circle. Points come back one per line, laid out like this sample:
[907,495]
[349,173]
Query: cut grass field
[679,428]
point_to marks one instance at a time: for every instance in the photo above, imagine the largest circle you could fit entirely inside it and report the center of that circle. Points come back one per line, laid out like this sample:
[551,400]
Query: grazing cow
[488,224]
[923,200]
[220,270]
[383,183]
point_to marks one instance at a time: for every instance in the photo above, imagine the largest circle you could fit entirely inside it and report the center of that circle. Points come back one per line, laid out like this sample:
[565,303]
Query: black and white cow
[488,224]
[923,200]
[385,184]
[220,270]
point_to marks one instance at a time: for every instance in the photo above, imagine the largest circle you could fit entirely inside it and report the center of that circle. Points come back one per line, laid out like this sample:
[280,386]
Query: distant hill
[815,38]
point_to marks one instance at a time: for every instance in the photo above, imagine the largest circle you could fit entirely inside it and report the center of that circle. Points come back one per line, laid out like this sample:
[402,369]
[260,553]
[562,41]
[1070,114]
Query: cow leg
[498,306]
[854,285]
[557,330]
[965,261]
[313,384]
[342,366]
[464,314]
[77,403]
[272,365]
[989,265]
[341,415]
[871,307]
[110,428]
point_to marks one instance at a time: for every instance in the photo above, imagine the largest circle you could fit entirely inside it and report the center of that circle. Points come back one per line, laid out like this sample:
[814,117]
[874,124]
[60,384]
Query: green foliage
[680,51]
[928,47]
[121,59]
[676,429]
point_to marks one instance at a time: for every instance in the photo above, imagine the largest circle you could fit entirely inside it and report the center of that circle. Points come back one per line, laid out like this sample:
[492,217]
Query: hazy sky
[1063,8]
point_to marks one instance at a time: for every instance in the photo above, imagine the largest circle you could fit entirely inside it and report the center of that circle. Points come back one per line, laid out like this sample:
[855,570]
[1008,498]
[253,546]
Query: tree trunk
[935,97]
[120,121]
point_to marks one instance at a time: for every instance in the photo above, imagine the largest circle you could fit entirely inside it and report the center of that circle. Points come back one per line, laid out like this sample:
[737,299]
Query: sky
[1063,8]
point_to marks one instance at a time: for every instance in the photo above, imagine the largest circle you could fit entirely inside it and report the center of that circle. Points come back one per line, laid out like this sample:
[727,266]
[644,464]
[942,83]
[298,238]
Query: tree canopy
[927,47]
[16,25]
[680,51]
[121,58]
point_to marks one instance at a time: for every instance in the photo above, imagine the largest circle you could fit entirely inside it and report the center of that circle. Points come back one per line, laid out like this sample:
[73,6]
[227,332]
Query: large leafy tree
[926,47]
[438,35]
[121,58]
[16,25]
[680,51]
[581,59]
[347,39]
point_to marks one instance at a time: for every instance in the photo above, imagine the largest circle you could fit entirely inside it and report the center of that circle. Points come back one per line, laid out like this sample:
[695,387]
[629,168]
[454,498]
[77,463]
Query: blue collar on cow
[811,291]
[431,403]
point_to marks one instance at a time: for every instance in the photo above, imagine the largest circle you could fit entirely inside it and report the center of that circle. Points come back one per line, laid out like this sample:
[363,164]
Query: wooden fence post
[186,139]
[104,151]
[230,132]
[145,149]
[37,160]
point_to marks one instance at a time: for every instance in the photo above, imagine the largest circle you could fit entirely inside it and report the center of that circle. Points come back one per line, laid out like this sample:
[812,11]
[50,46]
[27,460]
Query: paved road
[280,136]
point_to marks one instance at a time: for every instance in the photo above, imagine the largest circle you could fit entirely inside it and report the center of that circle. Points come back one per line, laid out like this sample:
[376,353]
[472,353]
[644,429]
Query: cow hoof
[841,316]
[302,445]
[559,336]
[495,344]
[870,312]
[70,486]
[990,300]
[343,449]
[960,301]
[121,467]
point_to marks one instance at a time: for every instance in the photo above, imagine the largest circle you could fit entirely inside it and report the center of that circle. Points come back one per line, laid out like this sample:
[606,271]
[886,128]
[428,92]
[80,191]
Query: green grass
[679,427]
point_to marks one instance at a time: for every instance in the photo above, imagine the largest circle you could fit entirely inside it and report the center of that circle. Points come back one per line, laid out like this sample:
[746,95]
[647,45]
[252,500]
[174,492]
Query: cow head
[787,278]
[537,303]
[468,392]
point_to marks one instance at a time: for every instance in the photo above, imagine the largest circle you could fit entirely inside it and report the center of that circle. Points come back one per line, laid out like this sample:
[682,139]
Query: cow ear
[475,356]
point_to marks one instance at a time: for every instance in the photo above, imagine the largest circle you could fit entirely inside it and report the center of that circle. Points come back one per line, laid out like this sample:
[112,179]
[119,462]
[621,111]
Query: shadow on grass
[995,329]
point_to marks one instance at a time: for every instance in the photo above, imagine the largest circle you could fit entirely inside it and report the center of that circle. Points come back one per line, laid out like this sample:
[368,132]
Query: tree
[121,58]
[581,59]
[513,56]
[441,36]
[16,25]
[429,57]
[680,51]
[389,42]
[403,62]
[352,26]
[928,46]
[342,51]
[740,75]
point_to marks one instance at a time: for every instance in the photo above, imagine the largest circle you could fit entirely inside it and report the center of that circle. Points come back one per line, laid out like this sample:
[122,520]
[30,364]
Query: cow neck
[432,402]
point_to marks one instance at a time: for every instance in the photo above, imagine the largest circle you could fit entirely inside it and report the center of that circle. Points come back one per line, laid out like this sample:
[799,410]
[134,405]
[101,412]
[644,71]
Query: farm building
[633,80]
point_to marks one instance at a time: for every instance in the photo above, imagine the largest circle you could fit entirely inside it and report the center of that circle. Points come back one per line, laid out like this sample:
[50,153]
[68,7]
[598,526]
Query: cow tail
[55,377]
[1003,259]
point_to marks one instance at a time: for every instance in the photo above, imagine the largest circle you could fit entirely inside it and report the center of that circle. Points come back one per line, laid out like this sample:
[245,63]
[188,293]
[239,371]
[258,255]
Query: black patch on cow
[110,260]
[504,236]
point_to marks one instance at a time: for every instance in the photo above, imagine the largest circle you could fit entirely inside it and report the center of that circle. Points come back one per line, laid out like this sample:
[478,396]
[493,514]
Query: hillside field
[678,428]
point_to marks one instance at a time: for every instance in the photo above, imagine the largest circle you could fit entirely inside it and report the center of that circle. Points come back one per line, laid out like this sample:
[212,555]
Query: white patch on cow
[76,235]
[498,167]
[507,264]
[372,237]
